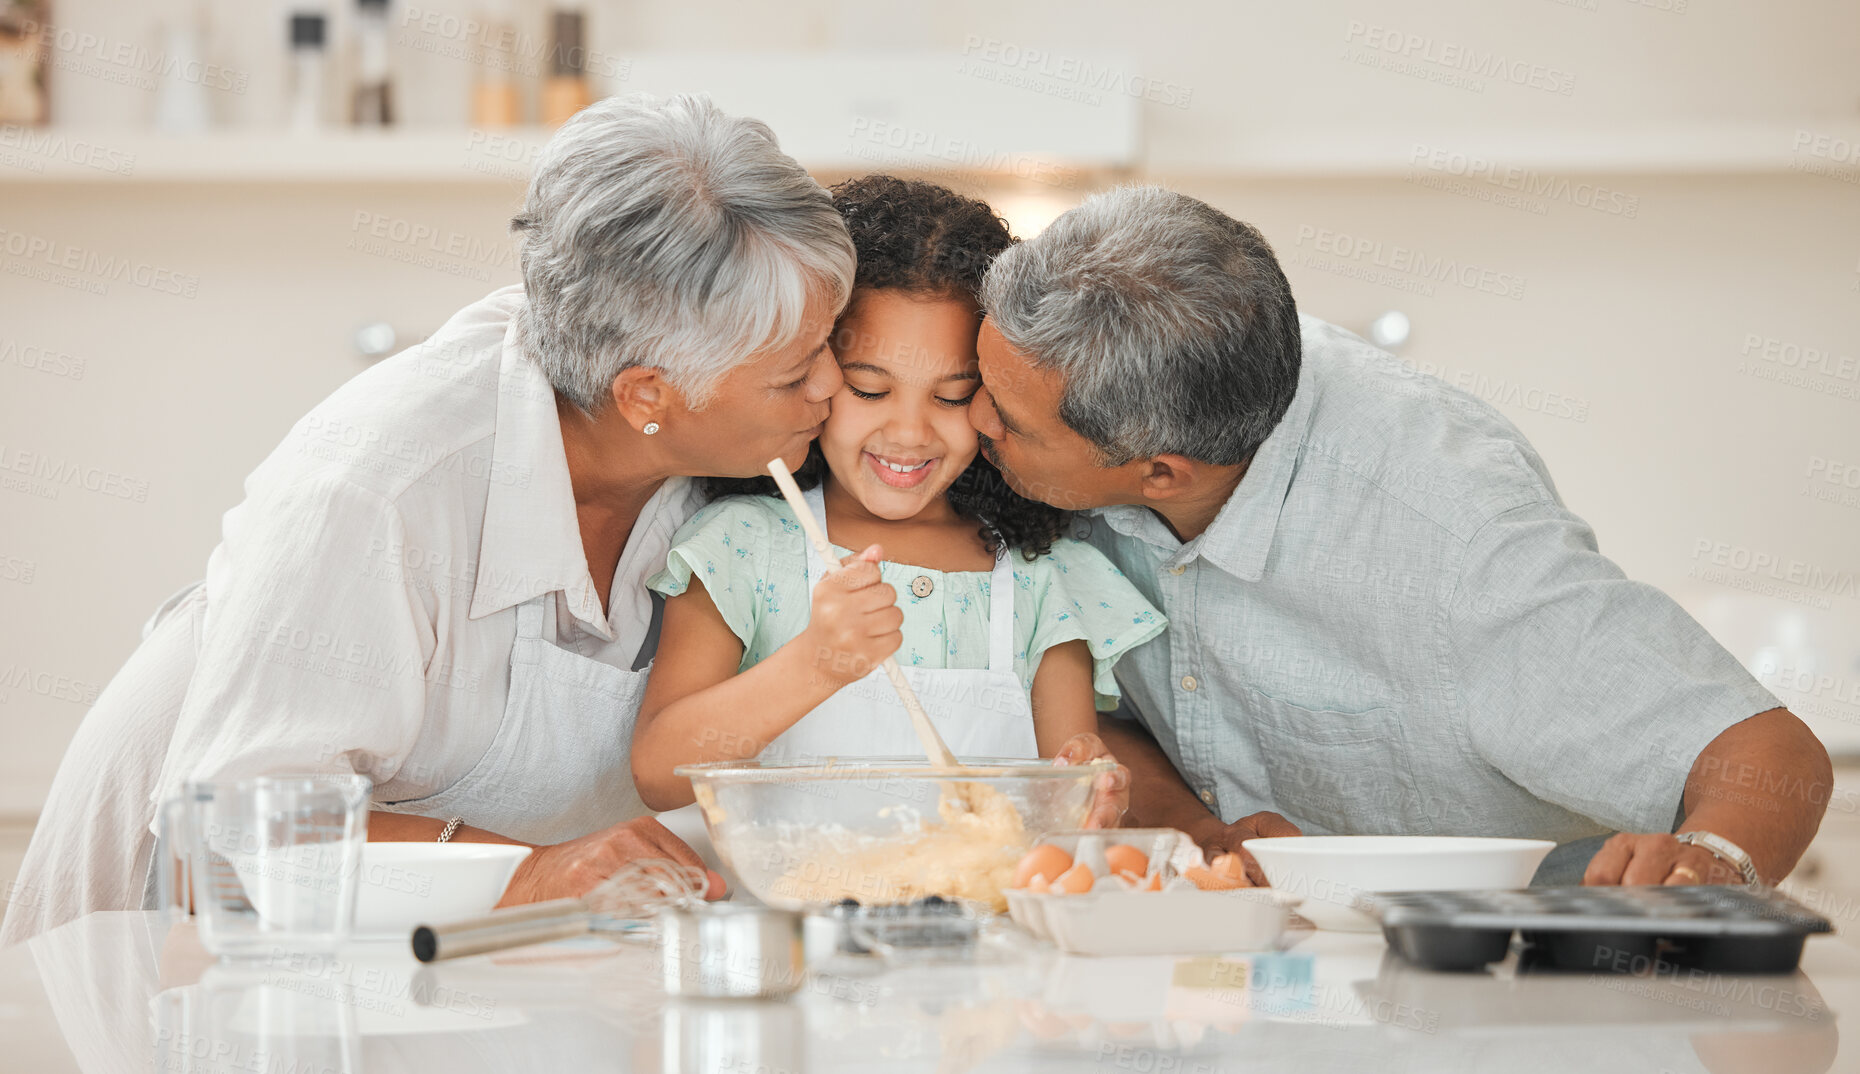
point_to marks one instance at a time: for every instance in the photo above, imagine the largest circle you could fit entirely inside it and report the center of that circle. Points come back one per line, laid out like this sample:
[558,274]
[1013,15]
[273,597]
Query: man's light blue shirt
[1394,626]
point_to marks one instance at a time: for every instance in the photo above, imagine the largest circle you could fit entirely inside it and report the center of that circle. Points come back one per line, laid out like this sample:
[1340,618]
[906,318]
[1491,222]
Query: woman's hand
[1111,796]
[571,869]
[855,623]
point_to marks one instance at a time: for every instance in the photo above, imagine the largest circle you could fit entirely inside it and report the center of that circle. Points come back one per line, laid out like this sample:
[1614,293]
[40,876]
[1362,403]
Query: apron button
[922,586]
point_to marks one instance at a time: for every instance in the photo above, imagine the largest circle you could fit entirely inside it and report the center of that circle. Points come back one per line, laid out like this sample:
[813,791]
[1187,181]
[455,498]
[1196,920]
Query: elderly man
[1382,617]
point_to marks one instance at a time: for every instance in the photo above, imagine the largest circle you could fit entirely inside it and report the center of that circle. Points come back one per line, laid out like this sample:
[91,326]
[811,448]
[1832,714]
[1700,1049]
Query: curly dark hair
[925,239]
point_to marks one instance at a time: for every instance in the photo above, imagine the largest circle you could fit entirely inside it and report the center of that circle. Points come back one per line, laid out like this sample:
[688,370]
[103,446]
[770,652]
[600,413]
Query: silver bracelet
[451,826]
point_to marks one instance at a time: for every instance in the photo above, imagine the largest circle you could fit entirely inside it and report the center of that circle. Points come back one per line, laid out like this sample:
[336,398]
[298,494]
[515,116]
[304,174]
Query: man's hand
[1639,860]
[1111,796]
[1216,838]
[574,868]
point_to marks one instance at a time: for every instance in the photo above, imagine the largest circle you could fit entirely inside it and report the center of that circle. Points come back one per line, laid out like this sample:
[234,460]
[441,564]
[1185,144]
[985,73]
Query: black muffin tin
[1599,929]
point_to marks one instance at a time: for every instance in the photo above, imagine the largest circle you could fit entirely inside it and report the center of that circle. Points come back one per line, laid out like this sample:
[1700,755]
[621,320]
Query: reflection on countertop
[117,992]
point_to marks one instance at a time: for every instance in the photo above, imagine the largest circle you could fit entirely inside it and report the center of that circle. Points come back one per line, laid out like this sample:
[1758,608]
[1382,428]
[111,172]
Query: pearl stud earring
[651,427]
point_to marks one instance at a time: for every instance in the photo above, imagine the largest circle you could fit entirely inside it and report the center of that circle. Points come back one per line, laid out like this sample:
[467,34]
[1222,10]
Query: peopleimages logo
[1453,56]
[1796,356]
[42,359]
[886,142]
[42,142]
[15,569]
[1759,564]
[1406,261]
[101,268]
[1075,72]
[45,476]
[1526,182]
[48,684]
[128,63]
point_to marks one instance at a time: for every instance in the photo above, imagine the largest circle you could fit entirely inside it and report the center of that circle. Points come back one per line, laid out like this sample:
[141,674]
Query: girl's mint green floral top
[751,556]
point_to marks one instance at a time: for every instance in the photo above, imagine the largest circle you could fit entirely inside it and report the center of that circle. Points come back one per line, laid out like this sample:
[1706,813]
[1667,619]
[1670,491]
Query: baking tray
[1599,929]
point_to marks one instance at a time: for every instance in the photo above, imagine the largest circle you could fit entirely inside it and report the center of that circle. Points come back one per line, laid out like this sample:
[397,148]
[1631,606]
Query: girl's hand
[856,622]
[1111,797]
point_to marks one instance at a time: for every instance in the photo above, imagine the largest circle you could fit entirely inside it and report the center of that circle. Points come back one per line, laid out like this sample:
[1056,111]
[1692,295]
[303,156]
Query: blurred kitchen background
[1631,225]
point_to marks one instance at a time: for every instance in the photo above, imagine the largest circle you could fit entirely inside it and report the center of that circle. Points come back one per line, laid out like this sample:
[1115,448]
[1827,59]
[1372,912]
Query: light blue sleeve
[1587,689]
[1081,595]
[725,547]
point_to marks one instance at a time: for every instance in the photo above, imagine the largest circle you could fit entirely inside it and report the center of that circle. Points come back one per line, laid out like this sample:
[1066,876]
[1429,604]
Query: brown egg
[1230,866]
[1045,860]
[1074,881]
[1126,859]
[1039,885]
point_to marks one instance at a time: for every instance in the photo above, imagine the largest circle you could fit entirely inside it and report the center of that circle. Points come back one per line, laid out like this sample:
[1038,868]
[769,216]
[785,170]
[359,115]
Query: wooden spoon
[934,747]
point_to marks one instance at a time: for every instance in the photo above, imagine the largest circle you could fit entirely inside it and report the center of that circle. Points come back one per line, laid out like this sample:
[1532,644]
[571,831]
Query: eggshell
[1126,859]
[1044,860]
[1090,854]
[1134,882]
[1074,881]
[1211,881]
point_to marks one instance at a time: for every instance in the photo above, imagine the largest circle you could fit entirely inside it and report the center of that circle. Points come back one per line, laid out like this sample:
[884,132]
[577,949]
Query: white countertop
[115,993]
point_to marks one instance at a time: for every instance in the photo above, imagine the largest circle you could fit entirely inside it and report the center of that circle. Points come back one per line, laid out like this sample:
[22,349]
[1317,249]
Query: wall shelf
[236,156]
[1677,147]
[469,156]
[925,112]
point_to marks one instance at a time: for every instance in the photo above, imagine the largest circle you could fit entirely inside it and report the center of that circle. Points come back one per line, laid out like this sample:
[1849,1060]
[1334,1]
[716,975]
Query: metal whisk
[631,895]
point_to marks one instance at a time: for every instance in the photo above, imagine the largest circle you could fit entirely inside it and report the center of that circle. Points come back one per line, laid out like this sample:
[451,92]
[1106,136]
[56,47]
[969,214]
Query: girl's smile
[900,473]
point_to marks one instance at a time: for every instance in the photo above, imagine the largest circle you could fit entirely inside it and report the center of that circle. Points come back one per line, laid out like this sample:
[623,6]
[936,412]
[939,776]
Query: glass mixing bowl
[884,830]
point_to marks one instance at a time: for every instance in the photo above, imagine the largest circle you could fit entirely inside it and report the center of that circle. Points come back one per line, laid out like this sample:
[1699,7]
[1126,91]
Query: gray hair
[1169,321]
[672,235]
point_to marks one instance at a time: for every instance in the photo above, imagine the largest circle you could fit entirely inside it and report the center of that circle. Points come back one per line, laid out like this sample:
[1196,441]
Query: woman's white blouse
[361,607]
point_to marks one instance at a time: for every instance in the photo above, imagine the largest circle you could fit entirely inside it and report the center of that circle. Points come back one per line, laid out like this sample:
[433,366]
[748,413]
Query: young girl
[1007,631]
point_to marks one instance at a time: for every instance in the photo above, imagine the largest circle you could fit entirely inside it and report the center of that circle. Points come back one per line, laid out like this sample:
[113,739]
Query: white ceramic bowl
[1330,871]
[408,884]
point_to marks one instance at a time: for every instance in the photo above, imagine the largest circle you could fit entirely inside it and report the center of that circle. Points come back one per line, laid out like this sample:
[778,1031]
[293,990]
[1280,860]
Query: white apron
[560,766]
[979,713]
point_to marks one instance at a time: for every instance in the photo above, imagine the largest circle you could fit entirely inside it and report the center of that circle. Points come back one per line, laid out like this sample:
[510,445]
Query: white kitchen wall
[1250,65]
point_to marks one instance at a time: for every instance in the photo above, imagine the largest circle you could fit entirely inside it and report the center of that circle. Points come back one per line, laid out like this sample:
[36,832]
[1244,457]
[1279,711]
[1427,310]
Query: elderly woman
[437,579]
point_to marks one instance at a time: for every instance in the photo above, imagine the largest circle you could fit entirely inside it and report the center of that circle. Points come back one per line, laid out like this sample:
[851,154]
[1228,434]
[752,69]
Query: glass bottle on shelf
[309,66]
[566,90]
[25,35]
[494,102]
[372,96]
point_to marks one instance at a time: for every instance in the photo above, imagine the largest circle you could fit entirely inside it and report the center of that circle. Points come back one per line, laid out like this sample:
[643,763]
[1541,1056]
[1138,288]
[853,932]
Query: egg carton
[1179,920]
